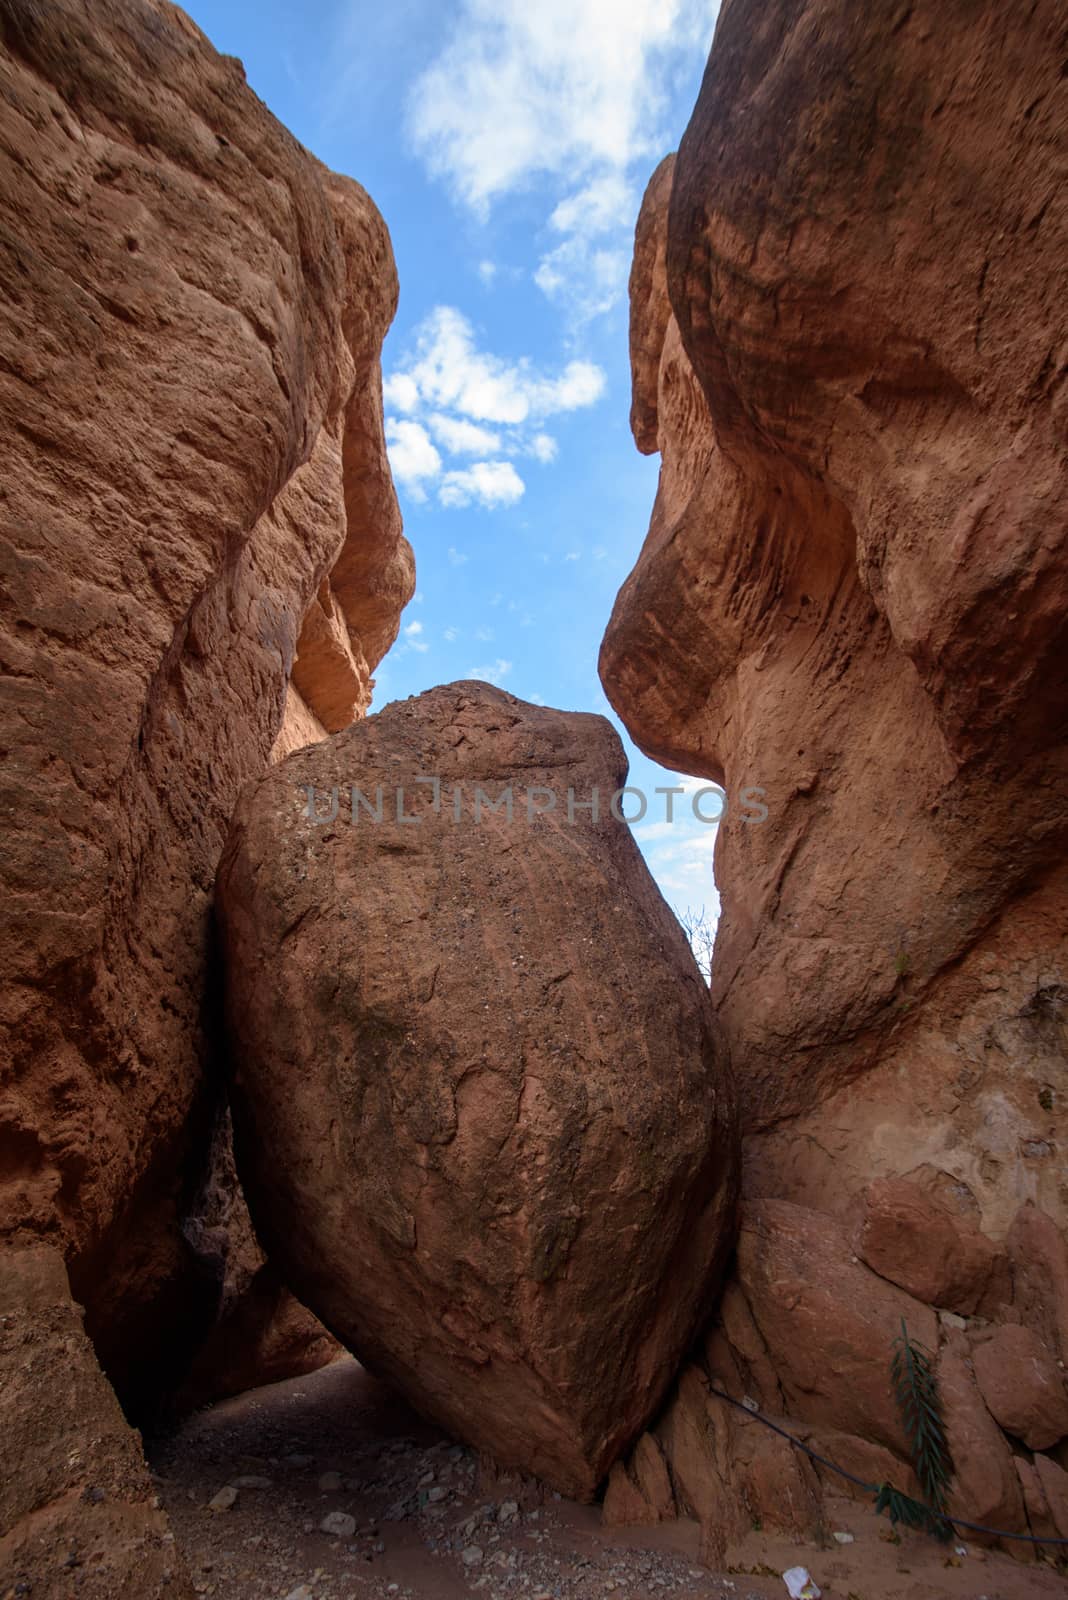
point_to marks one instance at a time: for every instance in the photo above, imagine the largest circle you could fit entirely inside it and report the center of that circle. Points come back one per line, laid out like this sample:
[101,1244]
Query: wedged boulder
[480,1112]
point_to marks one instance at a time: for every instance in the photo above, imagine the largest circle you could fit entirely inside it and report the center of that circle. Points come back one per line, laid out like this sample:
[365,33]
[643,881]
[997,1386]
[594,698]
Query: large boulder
[195,492]
[480,1111]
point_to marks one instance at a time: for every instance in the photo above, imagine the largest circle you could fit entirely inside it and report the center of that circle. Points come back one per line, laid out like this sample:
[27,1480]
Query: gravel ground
[329,1488]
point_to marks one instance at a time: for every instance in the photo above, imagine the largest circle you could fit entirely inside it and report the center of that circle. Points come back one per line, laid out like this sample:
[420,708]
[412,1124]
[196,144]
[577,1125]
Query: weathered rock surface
[986,1488]
[195,491]
[907,1235]
[852,595]
[1022,1386]
[78,1512]
[261,1332]
[479,1110]
[828,1324]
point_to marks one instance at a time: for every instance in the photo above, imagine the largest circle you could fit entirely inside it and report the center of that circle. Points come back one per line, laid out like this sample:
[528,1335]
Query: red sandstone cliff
[196,506]
[848,345]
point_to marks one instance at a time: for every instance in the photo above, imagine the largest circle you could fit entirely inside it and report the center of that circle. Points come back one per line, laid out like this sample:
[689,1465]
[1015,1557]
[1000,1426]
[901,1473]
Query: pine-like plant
[916,1391]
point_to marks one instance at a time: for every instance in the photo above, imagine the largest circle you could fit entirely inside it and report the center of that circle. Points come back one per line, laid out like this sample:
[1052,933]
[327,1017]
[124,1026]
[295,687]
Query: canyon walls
[201,560]
[848,345]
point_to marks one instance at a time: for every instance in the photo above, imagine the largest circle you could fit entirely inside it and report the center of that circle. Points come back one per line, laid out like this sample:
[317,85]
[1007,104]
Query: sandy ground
[430,1523]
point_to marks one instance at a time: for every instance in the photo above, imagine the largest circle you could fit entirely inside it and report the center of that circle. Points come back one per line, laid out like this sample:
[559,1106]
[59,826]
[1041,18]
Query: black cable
[873,1488]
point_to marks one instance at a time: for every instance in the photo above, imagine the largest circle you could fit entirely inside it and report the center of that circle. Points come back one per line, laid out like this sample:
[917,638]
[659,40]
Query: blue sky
[507,145]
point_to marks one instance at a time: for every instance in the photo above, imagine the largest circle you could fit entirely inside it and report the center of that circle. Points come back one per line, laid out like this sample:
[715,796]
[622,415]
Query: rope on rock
[873,1488]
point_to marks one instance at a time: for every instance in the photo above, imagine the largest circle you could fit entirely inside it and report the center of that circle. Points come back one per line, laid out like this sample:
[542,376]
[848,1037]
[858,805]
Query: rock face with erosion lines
[848,335]
[480,1111]
[201,558]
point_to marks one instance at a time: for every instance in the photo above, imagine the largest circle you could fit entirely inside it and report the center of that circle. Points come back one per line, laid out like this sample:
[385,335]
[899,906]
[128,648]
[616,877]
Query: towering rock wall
[195,493]
[848,345]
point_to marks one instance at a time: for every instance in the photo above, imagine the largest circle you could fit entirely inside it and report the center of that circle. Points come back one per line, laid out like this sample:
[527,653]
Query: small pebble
[225,1500]
[338,1524]
[330,1482]
[472,1556]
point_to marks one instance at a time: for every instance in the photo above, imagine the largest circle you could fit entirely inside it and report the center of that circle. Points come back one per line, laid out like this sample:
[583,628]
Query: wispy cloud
[493,673]
[571,94]
[485,483]
[449,372]
[457,557]
[412,456]
[543,447]
[463,438]
[411,635]
[447,390]
[561,87]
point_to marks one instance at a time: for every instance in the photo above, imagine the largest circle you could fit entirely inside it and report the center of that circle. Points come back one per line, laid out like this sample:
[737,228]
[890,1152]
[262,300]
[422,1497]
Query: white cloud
[493,673]
[462,438]
[576,93]
[573,555]
[489,483]
[412,641]
[487,271]
[536,699]
[543,448]
[412,456]
[451,635]
[606,203]
[561,87]
[599,552]
[484,635]
[400,392]
[457,557]
[585,280]
[450,373]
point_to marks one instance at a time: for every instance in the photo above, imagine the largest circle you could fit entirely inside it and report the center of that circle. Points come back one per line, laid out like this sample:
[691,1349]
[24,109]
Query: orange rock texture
[197,507]
[848,344]
[480,1113]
